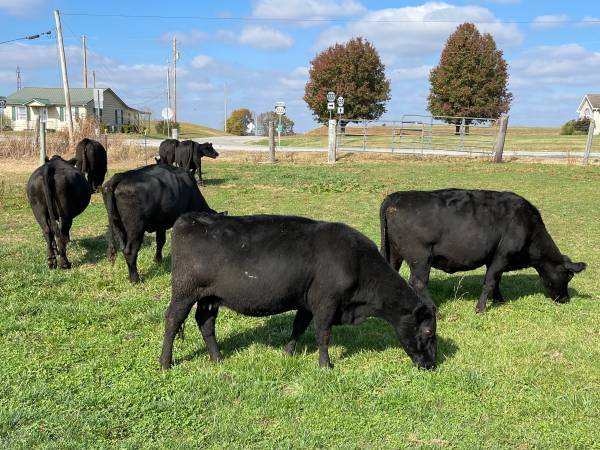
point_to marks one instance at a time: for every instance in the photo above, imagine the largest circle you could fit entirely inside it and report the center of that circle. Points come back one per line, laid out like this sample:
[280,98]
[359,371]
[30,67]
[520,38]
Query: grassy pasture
[80,348]
[517,138]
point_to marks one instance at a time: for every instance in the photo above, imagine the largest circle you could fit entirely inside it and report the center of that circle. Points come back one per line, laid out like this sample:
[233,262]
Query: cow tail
[84,161]
[190,158]
[116,234]
[48,173]
[385,244]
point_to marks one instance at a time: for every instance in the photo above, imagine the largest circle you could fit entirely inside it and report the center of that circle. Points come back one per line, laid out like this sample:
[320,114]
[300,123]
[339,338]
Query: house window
[116,117]
[122,116]
[75,112]
[21,113]
[61,113]
[44,114]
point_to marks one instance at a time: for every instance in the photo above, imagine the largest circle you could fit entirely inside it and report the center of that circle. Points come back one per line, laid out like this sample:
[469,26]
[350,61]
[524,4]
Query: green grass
[517,138]
[80,348]
[187,130]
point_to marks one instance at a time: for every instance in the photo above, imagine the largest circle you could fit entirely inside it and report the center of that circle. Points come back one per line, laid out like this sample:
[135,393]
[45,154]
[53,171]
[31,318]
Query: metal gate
[419,134]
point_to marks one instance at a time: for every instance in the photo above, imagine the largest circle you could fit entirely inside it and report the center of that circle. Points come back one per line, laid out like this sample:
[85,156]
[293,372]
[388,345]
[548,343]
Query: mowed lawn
[80,348]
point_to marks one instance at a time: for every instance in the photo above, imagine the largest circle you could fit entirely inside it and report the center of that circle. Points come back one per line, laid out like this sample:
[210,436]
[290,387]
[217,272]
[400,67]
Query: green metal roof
[54,96]
[43,101]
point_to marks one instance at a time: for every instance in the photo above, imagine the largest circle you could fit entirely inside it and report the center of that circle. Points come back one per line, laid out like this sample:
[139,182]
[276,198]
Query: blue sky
[262,50]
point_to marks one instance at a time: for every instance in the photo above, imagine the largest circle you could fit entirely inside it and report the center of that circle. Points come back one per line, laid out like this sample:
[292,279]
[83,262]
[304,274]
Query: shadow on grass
[215,181]
[468,288]
[374,335]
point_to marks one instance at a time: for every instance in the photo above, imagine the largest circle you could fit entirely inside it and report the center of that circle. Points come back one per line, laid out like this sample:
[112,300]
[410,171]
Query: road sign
[250,127]
[280,128]
[280,108]
[331,96]
[167,113]
[340,101]
[98,98]
[340,110]
[2,102]
[330,105]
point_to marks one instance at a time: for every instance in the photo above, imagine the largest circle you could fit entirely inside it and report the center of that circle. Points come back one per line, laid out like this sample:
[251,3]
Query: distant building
[589,108]
[24,107]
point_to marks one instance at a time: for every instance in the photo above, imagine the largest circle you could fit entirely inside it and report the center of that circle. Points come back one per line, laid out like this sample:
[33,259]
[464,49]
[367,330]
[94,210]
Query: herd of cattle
[261,265]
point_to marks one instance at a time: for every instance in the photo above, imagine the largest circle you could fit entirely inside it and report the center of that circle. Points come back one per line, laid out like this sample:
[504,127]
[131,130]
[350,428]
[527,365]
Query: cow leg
[301,322]
[497,295]
[492,279]
[161,237]
[63,240]
[175,315]
[49,236]
[206,319]
[419,277]
[131,252]
[395,260]
[323,324]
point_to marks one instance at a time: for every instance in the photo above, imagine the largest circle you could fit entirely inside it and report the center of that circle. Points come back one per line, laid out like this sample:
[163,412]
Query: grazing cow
[148,199]
[188,155]
[455,230]
[57,193]
[166,151]
[90,158]
[263,265]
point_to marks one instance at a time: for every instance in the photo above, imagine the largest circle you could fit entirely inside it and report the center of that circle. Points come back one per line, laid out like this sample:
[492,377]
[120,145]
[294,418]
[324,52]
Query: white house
[24,107]
[590,108]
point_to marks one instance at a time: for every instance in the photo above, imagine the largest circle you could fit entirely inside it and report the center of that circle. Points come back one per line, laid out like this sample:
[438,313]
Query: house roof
[592,99]
[56,96]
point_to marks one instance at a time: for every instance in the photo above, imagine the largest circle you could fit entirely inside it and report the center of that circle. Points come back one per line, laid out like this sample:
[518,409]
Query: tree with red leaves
[472,77]
[354,71]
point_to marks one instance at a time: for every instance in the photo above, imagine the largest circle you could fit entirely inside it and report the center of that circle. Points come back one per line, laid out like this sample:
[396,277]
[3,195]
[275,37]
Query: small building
[589,108]
[24,107]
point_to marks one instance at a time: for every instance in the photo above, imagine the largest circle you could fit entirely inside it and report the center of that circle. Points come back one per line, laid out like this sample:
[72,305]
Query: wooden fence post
[271,141]
[499,145]
[42,142]
[590,140]
[332,138]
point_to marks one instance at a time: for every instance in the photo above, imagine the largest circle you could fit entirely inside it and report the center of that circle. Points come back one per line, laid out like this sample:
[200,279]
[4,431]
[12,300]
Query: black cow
[263,265]
[148,199]
[188,155]
[91,159]
[57,193]
[166,151]
[455,230]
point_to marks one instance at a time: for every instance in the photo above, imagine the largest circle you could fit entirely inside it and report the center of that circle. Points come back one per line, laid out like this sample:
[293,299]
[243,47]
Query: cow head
[207,150]
[556,277]
[416,331]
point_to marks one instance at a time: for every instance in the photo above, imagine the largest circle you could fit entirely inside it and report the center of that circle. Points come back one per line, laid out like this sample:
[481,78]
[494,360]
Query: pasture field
[187,130]
[80,348]
[517,139]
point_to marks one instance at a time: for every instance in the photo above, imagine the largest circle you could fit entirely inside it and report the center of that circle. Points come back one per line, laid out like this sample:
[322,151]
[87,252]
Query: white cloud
[549,21]
[589,21]
[306,9]
[416,31]
[202,61]
[20,7]
[411,73]
[191,37]
[265,38]
[201,86]
[226,36]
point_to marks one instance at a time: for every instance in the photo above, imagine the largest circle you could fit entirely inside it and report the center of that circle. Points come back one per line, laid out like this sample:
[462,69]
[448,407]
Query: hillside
[188,131]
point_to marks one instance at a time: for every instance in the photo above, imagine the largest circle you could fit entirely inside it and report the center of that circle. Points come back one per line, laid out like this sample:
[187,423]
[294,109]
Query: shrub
[578,126]
[161,127]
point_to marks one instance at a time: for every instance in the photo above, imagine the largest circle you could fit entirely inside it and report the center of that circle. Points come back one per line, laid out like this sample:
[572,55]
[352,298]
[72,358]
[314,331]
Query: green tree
[471,79]
[238,121]
[263,119]
[354,71]
[162,127]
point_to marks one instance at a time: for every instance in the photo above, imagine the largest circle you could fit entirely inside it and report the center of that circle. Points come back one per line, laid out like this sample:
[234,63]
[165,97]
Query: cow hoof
[166,365]
[480,309]
[135,279]
[52,264]
[288,350]
[326,365]
[65,265]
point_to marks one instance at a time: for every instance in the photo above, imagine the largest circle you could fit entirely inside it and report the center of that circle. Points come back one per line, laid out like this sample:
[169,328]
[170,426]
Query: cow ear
[422,312]
[575,267]
[72,161]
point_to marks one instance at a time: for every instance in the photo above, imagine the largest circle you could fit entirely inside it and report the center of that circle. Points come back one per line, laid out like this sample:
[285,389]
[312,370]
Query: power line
[332,19]
[28,38]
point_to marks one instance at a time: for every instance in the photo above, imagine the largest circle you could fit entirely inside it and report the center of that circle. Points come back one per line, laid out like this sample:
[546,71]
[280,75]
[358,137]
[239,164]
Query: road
[245,143]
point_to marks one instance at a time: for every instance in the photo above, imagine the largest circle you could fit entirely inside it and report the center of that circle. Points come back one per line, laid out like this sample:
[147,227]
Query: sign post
[280,111]
[2,106]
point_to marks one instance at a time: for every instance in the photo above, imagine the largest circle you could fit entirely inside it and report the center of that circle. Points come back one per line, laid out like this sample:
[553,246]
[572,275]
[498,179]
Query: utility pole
[18,78]
[225,123]
[175,58]
[63,65]
[94,78]
[168,97]
[84,51]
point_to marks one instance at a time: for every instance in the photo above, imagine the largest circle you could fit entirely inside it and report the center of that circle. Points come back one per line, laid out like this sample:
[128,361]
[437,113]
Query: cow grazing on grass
[264,265]
[166,151]
[57,193]
[189,154]
[455,230]
[90,157]
[148,199]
